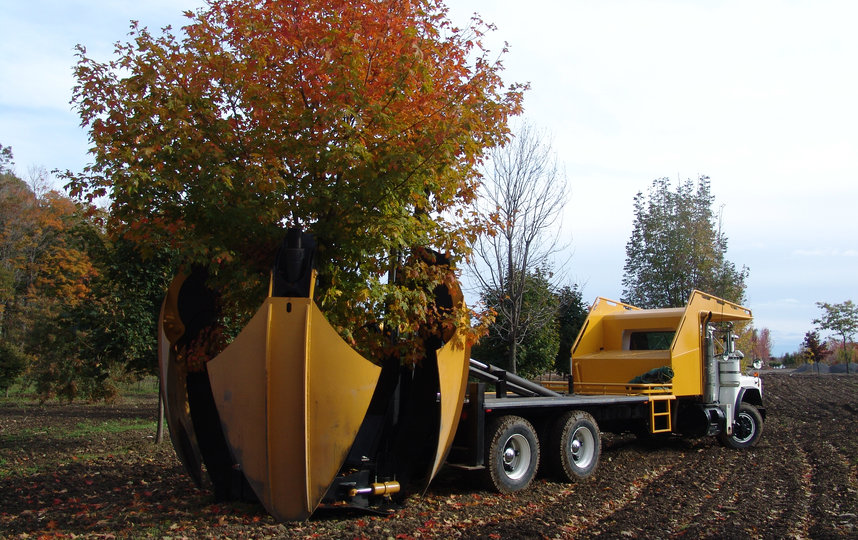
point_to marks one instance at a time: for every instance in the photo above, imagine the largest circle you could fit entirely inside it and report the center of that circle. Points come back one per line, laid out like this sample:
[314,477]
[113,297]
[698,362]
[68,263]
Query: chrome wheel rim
[516,456]
[582,447]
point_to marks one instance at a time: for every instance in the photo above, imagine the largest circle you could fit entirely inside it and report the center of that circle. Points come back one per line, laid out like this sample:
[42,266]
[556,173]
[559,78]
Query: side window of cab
[650,340]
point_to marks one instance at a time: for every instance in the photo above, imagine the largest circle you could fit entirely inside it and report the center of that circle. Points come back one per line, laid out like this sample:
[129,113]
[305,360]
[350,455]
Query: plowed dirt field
[94,471]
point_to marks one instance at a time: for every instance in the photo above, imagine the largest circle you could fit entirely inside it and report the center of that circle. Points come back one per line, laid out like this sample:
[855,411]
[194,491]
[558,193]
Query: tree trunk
[512,352]
[159,433]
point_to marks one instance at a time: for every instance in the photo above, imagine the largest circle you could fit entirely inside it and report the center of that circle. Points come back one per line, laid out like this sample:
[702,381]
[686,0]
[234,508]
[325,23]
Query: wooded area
[78,308]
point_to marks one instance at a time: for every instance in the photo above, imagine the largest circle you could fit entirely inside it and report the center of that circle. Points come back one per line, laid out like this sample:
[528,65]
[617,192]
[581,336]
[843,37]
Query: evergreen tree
[536,341]
[676,246]
[571,314]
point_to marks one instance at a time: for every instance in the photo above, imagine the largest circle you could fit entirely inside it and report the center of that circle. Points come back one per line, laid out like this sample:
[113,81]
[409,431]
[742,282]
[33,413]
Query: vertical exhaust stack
[710,394]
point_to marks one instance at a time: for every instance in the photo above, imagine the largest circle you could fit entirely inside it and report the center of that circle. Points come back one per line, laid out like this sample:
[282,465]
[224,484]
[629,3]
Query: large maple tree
[363,121]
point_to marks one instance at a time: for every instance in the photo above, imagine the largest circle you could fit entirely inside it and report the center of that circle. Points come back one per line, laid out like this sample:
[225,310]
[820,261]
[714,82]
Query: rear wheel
[576,445]
[512,454]
[747,428]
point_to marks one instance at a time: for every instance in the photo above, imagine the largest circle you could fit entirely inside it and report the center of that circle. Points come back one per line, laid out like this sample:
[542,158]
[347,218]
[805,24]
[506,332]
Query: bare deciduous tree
[523,193]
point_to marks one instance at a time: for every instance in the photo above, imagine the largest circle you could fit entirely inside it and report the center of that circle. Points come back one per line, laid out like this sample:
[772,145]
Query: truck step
[661,417]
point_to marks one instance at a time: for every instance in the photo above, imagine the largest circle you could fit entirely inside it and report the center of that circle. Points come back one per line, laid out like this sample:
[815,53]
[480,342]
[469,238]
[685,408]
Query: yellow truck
[653,372]
[289,415]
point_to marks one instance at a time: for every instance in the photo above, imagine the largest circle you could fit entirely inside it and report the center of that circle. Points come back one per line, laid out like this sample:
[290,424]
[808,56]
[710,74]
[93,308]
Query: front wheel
[747,428]
[512,454]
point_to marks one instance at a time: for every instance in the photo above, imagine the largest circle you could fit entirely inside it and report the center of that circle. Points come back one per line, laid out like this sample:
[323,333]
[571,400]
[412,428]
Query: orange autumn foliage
[363,121]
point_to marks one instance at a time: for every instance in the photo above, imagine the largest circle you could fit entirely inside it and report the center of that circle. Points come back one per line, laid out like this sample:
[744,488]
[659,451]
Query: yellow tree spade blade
[453,376]
[453,361]
[291,395]
[173,384]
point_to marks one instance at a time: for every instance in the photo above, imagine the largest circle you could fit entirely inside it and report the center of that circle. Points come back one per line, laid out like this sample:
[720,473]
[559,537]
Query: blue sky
[759,96]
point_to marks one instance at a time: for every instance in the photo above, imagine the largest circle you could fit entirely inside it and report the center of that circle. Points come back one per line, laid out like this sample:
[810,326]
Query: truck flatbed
[564,400]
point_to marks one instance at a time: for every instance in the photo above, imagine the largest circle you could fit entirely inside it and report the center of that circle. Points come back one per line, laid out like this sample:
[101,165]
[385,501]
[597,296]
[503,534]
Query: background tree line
[77,310]
[382,136]
[840,320]
[79,306]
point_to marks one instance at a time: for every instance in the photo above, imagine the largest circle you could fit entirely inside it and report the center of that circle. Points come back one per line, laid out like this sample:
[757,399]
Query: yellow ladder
[660,414]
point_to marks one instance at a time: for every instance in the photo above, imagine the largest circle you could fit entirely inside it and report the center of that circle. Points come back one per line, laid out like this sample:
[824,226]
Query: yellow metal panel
[592,336]
[173,384]
[453,362]
[599,356]
[641,357]
[688,346]
[617,366]
[651,318]
[238,378]
[722,310]
[453,376]
[340,384]
[688,372]
[291,396]
[589,339]
[617,324]
[286,415]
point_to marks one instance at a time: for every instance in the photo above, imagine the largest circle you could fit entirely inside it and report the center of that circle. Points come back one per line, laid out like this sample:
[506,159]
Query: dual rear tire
[513,450]
[573,447]
[512,453]
[576,446]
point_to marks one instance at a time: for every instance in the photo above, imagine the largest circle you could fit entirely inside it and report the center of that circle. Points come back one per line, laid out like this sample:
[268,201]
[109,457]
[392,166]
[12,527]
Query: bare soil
[93,471]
